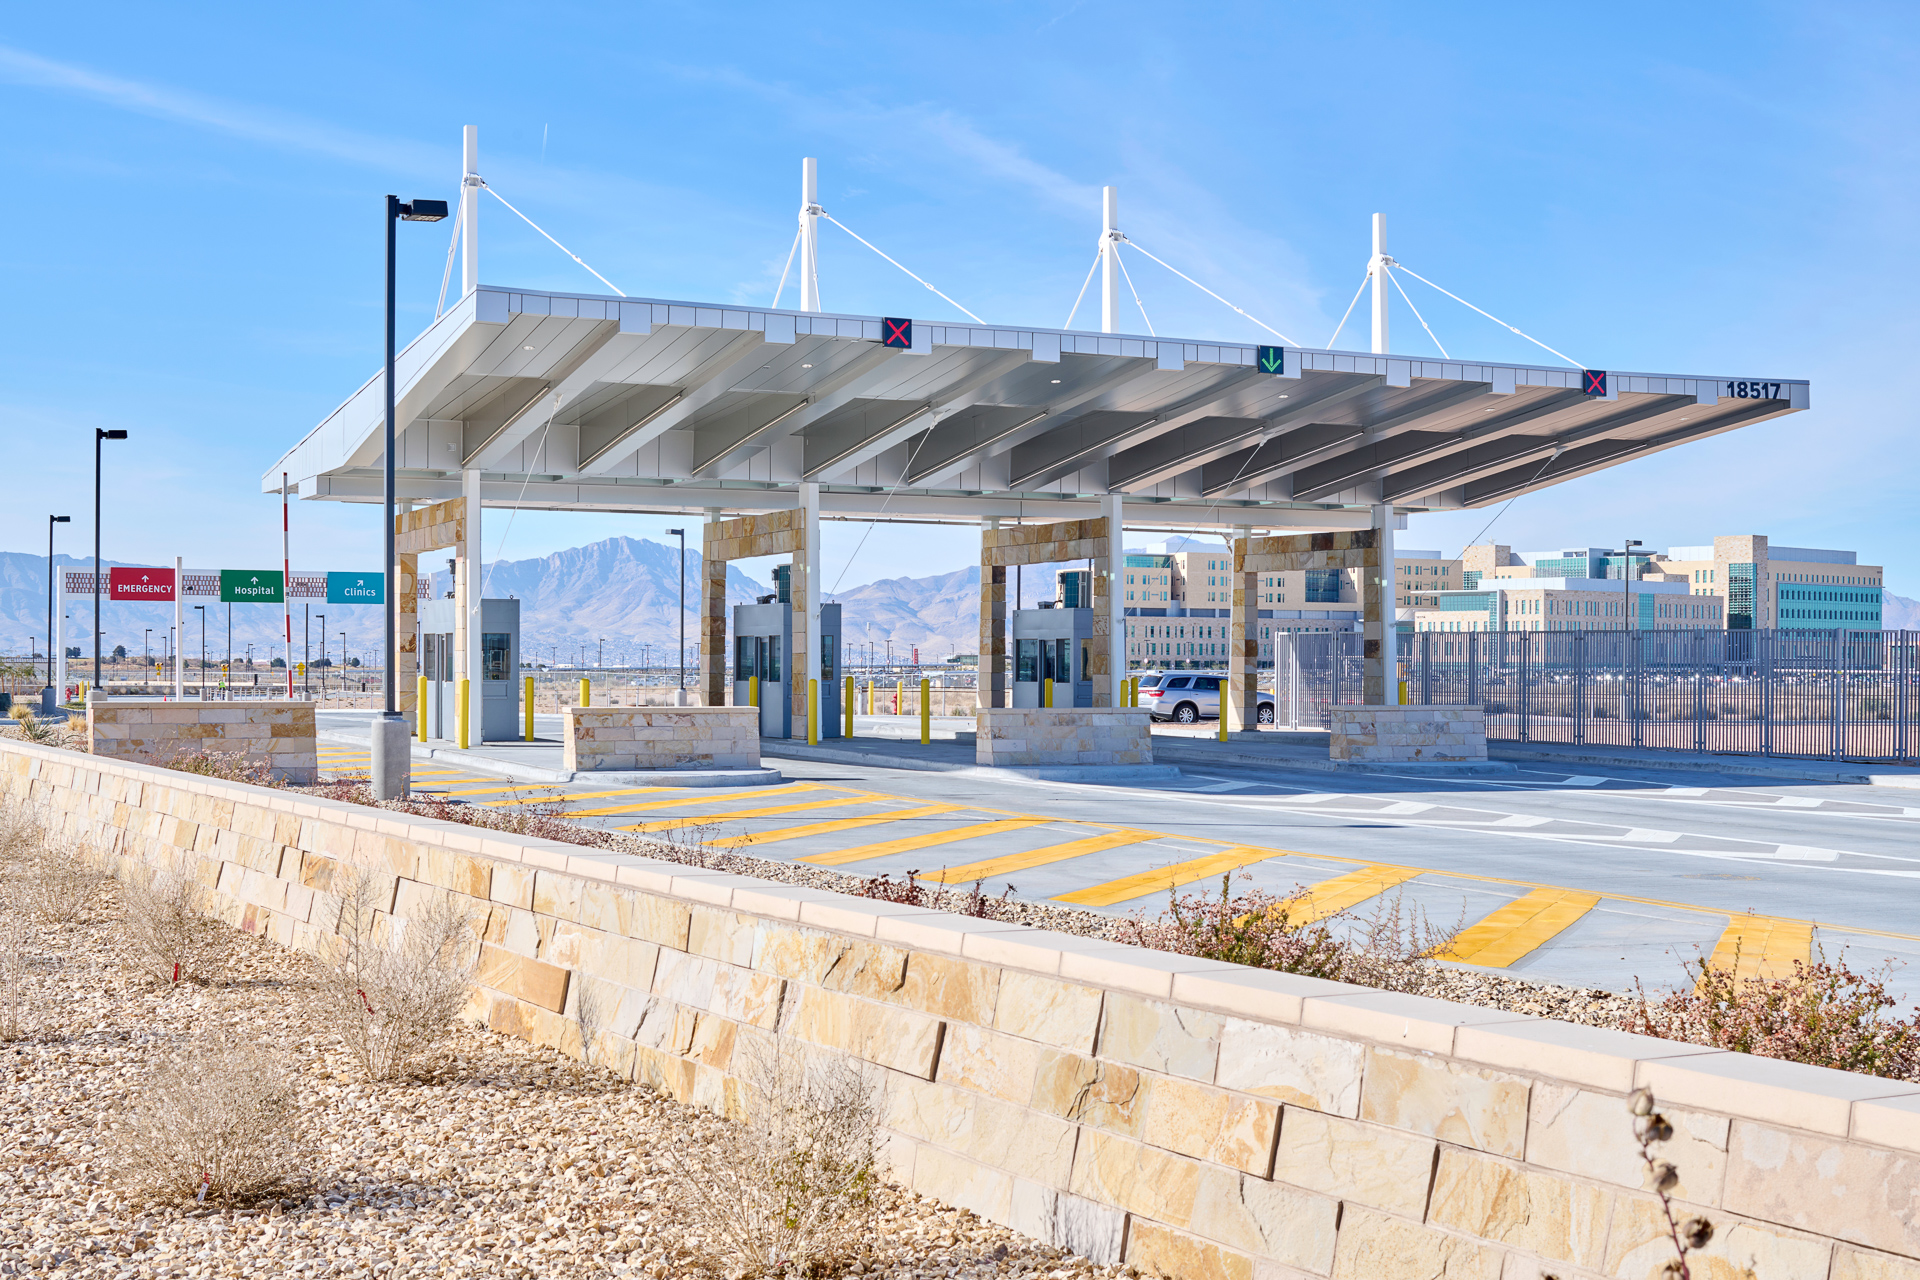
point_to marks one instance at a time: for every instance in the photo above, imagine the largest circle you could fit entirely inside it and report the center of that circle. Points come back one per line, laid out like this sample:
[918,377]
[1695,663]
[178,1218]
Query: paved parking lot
[1573,877]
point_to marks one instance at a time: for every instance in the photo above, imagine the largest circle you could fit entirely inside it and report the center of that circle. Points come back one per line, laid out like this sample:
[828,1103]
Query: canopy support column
[806,612]
[1241,705]
[993,623]
[1111,575]
[1380,669]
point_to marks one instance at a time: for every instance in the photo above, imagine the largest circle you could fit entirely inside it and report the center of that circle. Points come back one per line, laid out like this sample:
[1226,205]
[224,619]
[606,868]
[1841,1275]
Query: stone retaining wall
[280,734]
[1406,735]
[1062,735]
[1198,1119]
[662,738]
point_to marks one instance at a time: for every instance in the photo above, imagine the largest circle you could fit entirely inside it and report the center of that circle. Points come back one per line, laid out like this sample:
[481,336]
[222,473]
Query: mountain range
[620,590]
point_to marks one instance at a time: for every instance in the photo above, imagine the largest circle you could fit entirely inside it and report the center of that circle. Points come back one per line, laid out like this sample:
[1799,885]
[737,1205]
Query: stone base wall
[1197,1119]
[1408,735]
[662,738]
[155,730]
[1055,736]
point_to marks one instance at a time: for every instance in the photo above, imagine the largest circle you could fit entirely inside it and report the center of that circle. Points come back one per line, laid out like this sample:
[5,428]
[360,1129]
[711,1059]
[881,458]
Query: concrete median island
[1191,1117]
[637,738]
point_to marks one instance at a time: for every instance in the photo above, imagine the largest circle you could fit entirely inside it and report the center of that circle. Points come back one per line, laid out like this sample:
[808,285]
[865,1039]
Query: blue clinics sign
[356,588]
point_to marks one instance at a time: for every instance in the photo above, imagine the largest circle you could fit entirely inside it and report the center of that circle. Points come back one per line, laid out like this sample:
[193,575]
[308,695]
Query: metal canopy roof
[579,401]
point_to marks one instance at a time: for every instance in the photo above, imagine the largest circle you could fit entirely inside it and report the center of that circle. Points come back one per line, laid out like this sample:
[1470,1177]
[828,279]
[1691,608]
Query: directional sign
[356,588]
[252,586]
[140,584]
[896,333]
[1273,359]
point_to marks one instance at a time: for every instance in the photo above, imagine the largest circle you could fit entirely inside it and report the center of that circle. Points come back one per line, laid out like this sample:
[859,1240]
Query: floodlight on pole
[99,434]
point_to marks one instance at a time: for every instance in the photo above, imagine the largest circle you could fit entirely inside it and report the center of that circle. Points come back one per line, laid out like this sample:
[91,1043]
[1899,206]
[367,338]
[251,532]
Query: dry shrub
[1823,1013]
[23,835]
[47,734]
[217,1123]
[170,940]
[16,941]
[232,766]
[400,982]
[787,1188]
[593,1009]
[1390,947]
[57,886]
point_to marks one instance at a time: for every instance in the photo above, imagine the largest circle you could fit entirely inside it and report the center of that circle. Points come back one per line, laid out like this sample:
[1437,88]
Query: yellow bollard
[900,697]
[926,711]
[420,707]
[753,691]
[813,713]
[526,689]
[1136,692]
[1403,693]
[872,686]
[461,717]
[846,721]
[1226,694]
[1046,694]
[586,692]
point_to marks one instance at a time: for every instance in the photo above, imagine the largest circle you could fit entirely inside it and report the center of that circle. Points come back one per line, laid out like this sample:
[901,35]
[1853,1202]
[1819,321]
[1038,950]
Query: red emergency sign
[140,584]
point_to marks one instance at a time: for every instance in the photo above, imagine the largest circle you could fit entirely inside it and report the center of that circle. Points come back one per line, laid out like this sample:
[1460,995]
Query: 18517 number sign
[1753,391]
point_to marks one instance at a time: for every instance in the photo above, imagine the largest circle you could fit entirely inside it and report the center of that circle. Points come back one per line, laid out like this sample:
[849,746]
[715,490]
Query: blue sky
[192,246]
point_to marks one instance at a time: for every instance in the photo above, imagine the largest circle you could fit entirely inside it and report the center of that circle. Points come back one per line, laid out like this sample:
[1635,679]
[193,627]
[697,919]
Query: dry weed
[16,940]
[787,1188]
[400,982]
[34,730]
[593,1008]
[217,1124]
[1650,1128]
[57,886]
[232,766]
[170,940]
[1389,947]
[23,835]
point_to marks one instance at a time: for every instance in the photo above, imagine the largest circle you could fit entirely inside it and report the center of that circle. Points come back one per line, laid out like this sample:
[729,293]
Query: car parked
[1189,697]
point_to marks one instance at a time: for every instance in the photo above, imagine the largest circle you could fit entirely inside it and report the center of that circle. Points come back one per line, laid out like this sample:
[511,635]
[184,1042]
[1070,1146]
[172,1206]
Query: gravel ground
[506,1160]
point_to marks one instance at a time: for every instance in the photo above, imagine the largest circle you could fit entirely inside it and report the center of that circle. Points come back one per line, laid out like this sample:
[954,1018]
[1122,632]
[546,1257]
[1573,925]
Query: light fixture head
[61,519]
[423,210]
[676,533]
[110,435]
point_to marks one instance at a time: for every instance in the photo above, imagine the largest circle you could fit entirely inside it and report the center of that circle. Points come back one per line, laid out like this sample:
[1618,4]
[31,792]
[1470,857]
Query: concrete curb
[515,772]
[1096,773]
[1740,766]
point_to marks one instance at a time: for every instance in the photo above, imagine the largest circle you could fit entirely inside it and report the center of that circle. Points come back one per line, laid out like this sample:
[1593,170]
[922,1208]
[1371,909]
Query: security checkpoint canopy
[566,401]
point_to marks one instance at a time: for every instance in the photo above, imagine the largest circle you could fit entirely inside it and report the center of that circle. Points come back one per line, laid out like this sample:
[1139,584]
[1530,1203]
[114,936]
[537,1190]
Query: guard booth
[499,663]
[1057,645]
[763,651]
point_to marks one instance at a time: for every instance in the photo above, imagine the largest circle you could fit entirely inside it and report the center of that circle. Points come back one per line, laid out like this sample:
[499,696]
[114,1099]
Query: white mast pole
[286,578]
[1377,271]
[809,234]
[179,663]
[470,210]
[1109,258]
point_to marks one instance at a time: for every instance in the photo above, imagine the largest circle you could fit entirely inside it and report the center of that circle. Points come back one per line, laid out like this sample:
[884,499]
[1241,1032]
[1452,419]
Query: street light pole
[99,434]
[392,739]
[1626,576]
[683,605]
[51,521]
[202,611]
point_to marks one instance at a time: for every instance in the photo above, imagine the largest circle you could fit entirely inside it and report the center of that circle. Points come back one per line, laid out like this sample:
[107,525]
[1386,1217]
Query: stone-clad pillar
[1100,660]
[993,625]
[713,615]
[806,590]
[403,582]
[1112,573]
[1243,648]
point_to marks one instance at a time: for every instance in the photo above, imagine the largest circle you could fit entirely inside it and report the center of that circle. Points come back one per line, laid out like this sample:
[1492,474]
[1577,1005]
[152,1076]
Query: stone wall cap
[779,901]
[845,913]
[1121,966]
[1262,995]
[1820,1099]
[1889,1122]
[1036,950]
[1600,1057]
[939,931]
[1395,1018]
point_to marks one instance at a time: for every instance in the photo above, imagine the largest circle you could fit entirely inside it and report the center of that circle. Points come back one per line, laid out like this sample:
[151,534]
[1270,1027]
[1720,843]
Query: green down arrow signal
[1273,359]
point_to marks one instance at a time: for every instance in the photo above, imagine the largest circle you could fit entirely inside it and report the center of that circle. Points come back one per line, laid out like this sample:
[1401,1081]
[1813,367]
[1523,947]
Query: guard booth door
[1037,661]
[831,694]
[761,658]
[436,664]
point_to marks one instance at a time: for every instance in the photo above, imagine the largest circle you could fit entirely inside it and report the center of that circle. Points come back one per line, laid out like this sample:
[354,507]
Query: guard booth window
[1026,658]
[828,646]
[494,655]
[1056,657]
[1086,658]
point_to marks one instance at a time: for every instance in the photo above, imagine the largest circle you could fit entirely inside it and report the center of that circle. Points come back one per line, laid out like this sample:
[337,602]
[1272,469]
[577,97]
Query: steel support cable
[1211,294]
[555,243]
[1349,311]
[1416,314]
[1125,275]
[782,287]
[500,548]
[1557,451]
[904,473]
[856,235]
[1081,296]
[1489,315]
[459,229]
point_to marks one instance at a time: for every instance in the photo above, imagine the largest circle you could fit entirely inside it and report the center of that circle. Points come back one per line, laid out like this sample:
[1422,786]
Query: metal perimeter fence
[1834,695]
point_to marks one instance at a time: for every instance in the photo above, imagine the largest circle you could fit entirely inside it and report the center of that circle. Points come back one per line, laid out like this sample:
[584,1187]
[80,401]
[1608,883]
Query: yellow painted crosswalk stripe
[1763,946]
[1332,896]
[571,797]
[725,797]
[766,811]
[1041,857]
[1166,878]
[497,786]
[837,824]
[1519,928]
[907,844]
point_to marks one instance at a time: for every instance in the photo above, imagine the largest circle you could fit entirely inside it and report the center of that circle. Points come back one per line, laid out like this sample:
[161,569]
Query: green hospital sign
[252,586]
[356,588]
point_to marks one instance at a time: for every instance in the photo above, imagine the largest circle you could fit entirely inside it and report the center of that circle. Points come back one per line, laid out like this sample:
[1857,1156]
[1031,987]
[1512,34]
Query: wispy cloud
[239,120]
